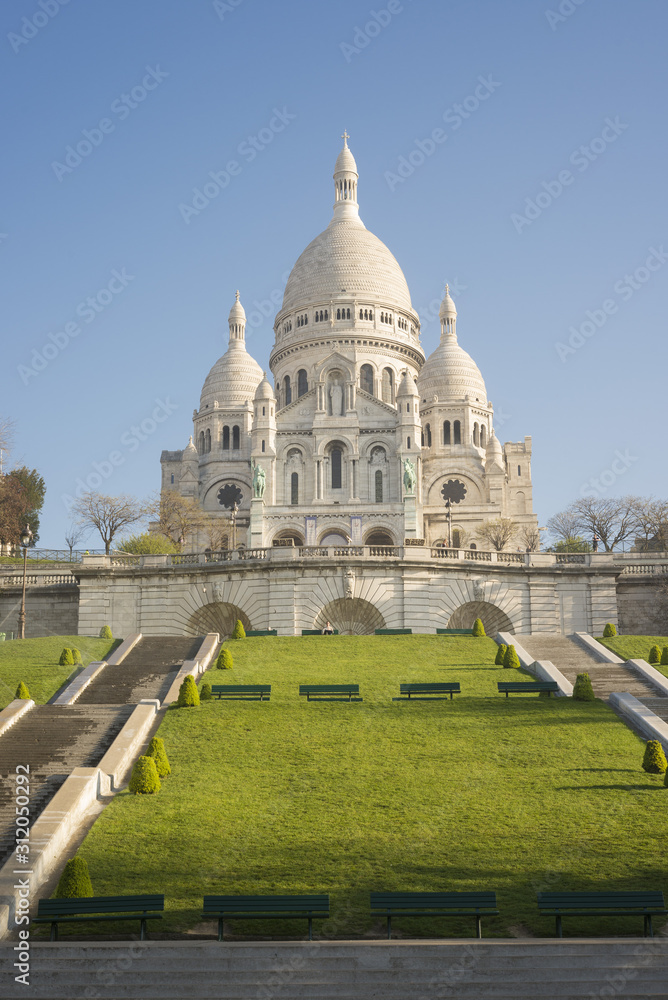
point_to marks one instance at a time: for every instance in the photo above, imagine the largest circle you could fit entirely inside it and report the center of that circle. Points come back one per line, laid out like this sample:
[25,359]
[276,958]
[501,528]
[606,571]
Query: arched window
[446,432]
[302,382]
[473,545]
[408,443]
[458,432]
[476,437]
[388,385]
[366,379]
[326,313]
[361,314]
[379,486]
[288,390]
[338,314]
[483,436]
[226,438]
[235,438]
[456,538]
[335,462]
[428,434]
[294,488]
[207,441]
[519,470]
[200,445]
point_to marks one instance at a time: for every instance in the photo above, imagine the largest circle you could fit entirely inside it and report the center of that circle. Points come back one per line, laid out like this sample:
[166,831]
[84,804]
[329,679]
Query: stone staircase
[535,969]
[146,672]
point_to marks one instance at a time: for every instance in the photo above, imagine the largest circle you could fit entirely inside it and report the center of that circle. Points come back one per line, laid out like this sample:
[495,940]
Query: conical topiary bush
[654,655]
[75,881]
[22,691]
[664,656]
[76,655]
[582,689]
[224,661]
[156,750]
[609,631]
[205,692]
[66,658]
[105,632]
[511,659]
[144,780]
[500,654]
[188,693]
[478,628]
[239,630]
[654,761]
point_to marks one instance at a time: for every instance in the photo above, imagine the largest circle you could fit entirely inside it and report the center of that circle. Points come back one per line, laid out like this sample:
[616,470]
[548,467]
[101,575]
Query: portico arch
[493,618]
[351,616]
[218,616]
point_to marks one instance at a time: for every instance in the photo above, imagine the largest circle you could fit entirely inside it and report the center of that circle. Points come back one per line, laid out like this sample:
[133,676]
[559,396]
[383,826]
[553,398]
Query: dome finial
[345,185]
[448,314]
[237,321]
[345,137]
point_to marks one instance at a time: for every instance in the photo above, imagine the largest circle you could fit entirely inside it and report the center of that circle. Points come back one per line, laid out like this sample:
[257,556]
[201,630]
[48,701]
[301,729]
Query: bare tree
[530,536]
[73,536]
[6,439]
[613,519]
[652,523]
[108,514]
[497,532]
[177,516]
[564,526]
[217,531]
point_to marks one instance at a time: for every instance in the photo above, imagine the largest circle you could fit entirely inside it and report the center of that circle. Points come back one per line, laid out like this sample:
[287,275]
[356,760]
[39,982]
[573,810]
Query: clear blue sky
[210,75]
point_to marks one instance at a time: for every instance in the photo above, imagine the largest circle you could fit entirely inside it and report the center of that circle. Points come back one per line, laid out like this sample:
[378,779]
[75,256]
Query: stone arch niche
[351,616]
[217,617]
[493,618]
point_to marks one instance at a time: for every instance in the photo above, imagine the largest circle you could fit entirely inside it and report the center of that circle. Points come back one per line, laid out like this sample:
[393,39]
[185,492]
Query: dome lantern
[345,184]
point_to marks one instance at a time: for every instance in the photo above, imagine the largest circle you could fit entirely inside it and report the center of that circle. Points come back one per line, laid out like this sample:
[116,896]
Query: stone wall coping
[593,646]
[76,687]
[543,670]
[644,718]
[651,674]
[122,753]
[193,667]
[125,647]
[13,712]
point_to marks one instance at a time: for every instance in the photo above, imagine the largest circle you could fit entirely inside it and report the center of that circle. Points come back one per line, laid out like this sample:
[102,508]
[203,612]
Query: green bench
[454,631]
[428,692]
[434,904]
[527,687]
[603,904]
[266,908]
[242,692]
[393,631]
[68,911]
[318,631]
[255,632]
[330,692]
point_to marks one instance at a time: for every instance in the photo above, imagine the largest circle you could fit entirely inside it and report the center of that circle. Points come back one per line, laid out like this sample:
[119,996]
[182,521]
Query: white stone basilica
[360,435]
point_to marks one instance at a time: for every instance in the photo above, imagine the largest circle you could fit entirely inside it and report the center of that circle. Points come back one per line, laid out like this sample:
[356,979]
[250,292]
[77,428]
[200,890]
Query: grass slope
[483,792]
[35,662]
[636,647]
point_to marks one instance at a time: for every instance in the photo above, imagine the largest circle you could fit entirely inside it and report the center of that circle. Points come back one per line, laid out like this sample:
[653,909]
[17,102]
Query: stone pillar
[410,517]
[256,530]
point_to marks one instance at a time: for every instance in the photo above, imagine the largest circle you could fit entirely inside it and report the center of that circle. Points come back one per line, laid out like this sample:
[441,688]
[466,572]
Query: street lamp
[26,539]
[235,508]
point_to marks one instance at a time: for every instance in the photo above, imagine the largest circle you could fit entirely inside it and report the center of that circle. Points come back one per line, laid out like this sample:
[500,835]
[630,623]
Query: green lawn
[483,792]
[35,661]
[636,647]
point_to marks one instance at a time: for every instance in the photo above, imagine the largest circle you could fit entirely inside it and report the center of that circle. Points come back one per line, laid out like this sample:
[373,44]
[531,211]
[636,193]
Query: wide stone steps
[359,970]
[52,740]
[146,672]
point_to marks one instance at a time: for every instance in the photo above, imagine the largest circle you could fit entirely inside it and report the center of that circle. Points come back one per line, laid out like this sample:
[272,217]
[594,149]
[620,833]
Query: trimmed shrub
[66,658]
[156,750]
[75,881]
[22,691]
[224,661]
[582,689]
[478,628]
[144,780]
[500,654]
[655,655]
[188,693]
[205,692]
[76,655]
[239,630]
[609,631]
[665,780]
[511,659]
[105,632]
[654,761]
[664,656]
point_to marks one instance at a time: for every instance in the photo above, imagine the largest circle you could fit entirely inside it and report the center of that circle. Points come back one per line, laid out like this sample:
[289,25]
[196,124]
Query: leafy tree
[575,544]
[148,543]
[21,499]
[108,515]
[497,532]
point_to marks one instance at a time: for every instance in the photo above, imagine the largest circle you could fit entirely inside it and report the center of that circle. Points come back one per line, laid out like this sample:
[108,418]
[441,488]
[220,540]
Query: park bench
[527,687]
[254,632]
[454,631]
[266,908]
[330,692]
[242,692]
[393,631]
[61,911]
[603,904]
[428,692]
[318,631]
[434,904]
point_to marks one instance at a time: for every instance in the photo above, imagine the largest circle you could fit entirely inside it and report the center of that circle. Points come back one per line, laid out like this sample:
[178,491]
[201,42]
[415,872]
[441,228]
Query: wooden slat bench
[454,631]
[330,692]
[527,687]
[68,911]
[644,904]
[318,631]
[254,632]
[266,908]
[438,691]
[434,904]
[242,692]
[393,631]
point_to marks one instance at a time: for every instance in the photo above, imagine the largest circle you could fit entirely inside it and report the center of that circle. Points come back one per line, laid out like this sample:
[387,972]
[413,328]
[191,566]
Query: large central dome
[346,259]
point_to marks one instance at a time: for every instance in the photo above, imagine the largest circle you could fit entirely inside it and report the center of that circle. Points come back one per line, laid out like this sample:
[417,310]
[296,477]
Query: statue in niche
[259,481]
[410,479]
[349,583]
[336,397]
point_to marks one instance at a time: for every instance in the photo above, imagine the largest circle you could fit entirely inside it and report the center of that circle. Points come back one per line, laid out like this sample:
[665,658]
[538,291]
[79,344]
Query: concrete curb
[642,717]
[193,667]
[595,648]
[650,674]
[76,687]
[121,754]
[543,670]
[14,711]
[125,647]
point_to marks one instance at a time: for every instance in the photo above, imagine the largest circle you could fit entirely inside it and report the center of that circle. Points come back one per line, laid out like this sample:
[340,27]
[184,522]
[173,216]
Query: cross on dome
[345,137]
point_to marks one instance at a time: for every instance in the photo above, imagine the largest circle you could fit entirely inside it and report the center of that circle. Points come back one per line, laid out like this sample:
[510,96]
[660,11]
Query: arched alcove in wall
[351,616]
[217,617]
[493,618]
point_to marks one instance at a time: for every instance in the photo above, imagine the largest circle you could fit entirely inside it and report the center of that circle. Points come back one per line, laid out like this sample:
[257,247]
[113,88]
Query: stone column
[410,517]
[256,530]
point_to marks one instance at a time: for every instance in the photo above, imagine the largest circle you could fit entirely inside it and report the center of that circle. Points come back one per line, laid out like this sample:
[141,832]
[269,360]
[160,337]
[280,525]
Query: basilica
[360,441]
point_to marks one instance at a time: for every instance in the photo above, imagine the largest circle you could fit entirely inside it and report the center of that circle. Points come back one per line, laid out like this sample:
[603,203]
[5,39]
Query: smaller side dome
[190,451]
[407,386]
[448,309]
[264,389]
[493,453]
[237,312]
